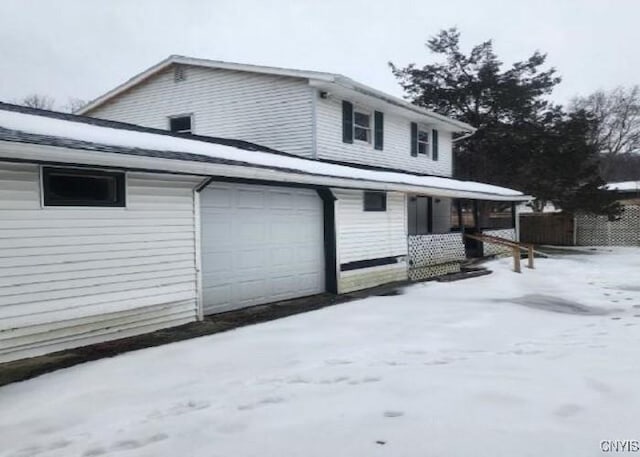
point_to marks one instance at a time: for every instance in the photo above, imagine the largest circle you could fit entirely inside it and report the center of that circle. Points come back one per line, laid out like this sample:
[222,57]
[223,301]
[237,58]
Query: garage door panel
[260,244]
[218,197]
[249,199]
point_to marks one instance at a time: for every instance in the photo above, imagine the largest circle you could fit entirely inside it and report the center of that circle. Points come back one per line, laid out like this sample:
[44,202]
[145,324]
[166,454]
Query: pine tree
[523,140]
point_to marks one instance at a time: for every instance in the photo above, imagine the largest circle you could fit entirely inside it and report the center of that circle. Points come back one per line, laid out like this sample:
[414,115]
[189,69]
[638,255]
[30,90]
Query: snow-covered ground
[545,363]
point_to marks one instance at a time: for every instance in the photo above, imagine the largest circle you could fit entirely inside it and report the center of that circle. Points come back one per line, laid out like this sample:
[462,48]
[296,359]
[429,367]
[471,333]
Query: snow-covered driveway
[467,368]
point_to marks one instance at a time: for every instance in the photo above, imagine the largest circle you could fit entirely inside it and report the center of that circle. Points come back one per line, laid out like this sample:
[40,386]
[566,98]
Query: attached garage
[260,244]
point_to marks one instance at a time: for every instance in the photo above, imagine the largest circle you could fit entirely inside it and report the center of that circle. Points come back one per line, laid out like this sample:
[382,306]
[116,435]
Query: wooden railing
[515,247]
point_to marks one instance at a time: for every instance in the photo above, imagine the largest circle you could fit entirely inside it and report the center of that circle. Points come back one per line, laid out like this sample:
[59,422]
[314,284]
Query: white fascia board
[353,90]
[55,154]
[137,79]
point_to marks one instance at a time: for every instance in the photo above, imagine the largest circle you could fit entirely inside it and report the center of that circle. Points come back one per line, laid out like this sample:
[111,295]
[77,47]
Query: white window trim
[368,112]
[422,128]
[176,116]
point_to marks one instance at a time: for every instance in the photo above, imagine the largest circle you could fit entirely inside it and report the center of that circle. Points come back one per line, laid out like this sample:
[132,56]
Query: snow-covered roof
[314,76]
[213,157]
[624,186]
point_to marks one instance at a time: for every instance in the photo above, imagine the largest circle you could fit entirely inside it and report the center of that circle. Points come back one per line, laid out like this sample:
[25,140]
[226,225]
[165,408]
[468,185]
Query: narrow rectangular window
[180,124]
[78,187]
[375,201]
[362,126]
[423,142]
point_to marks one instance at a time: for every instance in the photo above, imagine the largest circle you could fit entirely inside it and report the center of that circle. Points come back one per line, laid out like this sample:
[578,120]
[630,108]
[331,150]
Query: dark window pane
[495,215]
[70,187]
[180,124]
[422,148]
[361,134]
[375,201]
[422,215]
[423,136]
[362,119]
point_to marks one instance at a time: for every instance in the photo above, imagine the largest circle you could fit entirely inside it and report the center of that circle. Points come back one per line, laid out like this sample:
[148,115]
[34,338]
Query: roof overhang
[329,81]
[38,153]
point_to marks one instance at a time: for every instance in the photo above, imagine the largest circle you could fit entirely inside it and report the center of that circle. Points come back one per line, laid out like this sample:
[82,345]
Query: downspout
[198,245]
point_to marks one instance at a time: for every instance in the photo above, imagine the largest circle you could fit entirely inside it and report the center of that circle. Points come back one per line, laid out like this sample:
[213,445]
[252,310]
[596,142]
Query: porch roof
[44,136]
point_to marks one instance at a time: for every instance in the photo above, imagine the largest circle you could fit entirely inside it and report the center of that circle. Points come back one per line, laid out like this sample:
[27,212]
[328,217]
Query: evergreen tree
[523,141]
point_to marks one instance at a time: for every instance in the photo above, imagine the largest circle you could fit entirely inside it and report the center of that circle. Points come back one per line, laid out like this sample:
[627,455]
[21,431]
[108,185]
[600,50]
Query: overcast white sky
[82,48]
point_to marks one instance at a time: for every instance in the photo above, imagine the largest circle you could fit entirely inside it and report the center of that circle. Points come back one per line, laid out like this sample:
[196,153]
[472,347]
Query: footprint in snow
[366,380]
[334,380]
[338,362]
[35,450]
[393,413]
[568,410]
[181,408]
[136,444]
[263,402]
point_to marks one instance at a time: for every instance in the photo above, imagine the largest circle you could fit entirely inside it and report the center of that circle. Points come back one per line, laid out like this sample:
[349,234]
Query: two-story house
[381,236]
[109,230]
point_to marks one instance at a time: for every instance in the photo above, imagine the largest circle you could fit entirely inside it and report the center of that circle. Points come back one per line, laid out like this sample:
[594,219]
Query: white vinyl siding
[273,111]
[74,276]
[397,143]
[364,235]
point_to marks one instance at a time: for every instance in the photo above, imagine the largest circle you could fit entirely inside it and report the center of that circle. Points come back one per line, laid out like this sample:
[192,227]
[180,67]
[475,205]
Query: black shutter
[347,122]
[434,140]
[430,215]
[378,123]
[414,139]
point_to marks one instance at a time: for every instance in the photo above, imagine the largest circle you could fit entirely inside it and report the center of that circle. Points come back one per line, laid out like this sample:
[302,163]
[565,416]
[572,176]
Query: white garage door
[260,244]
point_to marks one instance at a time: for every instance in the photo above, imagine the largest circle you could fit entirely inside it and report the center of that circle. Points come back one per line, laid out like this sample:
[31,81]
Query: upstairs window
[362,126]
[423,142]
[180,124]
[375,201]
[78,187]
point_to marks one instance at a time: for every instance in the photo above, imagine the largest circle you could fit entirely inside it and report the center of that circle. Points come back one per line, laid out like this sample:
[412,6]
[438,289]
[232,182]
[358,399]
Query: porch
[436,228]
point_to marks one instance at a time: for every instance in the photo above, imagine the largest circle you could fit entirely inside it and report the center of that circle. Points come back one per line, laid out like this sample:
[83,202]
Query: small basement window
[375,201]
[362,126]
[78,187]
[423,142]
[180,124]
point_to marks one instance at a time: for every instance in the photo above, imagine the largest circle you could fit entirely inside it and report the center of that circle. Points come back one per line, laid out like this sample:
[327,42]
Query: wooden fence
[547,228]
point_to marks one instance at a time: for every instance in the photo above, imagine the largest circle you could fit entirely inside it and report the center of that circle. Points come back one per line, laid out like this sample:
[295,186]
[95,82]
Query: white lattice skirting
[599,231]
[435,255]
[495,249]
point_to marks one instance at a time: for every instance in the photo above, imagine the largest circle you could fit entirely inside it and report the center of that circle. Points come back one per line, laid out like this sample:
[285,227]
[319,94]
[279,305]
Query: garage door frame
[329,229]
